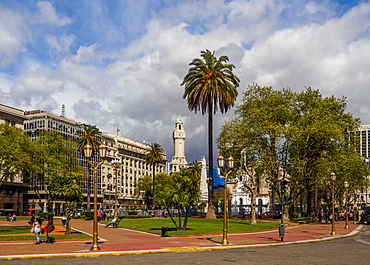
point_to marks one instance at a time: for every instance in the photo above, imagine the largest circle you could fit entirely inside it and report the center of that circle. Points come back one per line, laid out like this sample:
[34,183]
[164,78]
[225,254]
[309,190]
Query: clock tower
[178,160]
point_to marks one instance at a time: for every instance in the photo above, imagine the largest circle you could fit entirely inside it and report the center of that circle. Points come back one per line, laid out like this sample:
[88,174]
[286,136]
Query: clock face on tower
[180,134]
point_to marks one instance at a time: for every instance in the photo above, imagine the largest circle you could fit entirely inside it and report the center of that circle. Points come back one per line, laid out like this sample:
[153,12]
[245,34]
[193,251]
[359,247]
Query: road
[353,250]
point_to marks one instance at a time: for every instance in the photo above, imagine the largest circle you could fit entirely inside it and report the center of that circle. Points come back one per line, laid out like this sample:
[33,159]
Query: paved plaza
[121,241]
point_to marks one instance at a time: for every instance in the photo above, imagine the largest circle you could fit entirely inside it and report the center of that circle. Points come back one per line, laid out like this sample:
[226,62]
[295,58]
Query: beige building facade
[131,155]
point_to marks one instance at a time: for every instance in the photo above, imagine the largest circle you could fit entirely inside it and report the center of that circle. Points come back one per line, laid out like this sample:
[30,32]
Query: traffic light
[283,183]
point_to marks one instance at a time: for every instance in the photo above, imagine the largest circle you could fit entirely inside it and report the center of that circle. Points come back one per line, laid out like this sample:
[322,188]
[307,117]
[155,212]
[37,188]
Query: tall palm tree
[210,84]
[90,135]
[154,156]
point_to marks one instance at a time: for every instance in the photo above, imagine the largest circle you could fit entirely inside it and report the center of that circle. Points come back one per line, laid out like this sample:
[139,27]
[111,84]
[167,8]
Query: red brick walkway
[115,241]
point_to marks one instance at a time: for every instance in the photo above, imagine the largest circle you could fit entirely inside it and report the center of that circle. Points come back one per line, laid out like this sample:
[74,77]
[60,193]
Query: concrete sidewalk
[121,241]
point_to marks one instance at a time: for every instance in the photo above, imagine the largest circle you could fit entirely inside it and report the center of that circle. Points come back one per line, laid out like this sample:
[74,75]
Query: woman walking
[37,229]
[49,227]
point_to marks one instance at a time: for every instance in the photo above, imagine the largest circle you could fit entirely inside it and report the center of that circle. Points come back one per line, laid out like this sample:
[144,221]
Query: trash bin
[164,231]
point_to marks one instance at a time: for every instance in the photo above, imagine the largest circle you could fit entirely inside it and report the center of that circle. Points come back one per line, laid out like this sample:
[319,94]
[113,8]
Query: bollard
[281,231]
[164,231]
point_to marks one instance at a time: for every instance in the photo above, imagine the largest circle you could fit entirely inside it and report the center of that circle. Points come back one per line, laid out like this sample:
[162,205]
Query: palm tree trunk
[153,170]
[211,208]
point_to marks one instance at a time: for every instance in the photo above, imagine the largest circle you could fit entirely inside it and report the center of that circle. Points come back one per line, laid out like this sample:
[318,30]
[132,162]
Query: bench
[301,222]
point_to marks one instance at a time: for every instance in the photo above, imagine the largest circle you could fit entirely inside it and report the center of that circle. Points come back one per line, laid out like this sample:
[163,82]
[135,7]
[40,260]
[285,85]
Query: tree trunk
[309,203]
[185,219]
[173,220]
[68,224]
[179,213]
[211,209]
[286,212]
[153,170]
[253,206]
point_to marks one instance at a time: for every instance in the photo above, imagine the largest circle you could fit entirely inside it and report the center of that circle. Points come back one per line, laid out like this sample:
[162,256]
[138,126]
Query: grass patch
[22,233]
[197,226]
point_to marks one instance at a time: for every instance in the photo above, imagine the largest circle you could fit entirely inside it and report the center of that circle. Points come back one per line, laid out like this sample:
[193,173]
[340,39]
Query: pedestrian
[37,229]
[13,217]
[320,217]
[32,220]
[64,219]
[115,220]
[100,215]
[49,227]
[326,217]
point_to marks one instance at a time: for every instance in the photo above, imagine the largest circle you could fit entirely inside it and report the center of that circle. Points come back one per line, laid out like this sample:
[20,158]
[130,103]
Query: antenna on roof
[63,111]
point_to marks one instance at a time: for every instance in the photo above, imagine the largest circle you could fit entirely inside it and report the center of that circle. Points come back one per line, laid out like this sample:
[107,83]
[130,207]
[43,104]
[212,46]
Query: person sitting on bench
[114,222]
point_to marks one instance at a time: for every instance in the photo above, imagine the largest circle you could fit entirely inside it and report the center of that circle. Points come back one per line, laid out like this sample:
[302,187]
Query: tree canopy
[299,136]
[16,153]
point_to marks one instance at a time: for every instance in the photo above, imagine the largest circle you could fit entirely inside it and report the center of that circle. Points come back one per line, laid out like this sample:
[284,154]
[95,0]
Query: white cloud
[48,15]
[13,34]
[136,85]
[60,45]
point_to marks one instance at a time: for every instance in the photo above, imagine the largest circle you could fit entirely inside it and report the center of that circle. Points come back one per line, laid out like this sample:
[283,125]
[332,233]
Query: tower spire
[63,111]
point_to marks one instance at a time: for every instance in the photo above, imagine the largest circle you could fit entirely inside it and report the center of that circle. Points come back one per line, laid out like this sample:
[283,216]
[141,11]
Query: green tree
[187,186]
[318,133]
[257,136]
[90,135]
[67,187]
[56,157]
[181,191]
[143,188]
[154,156]
[301,137]
[16,153]
[165,191]
[210,84]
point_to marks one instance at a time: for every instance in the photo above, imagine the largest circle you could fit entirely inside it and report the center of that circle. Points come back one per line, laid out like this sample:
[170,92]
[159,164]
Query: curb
[173,250]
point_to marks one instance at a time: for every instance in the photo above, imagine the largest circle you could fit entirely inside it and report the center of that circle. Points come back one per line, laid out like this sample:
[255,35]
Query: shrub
[89,215]
[132,213]
[133,216]
[295,215]
[46,215]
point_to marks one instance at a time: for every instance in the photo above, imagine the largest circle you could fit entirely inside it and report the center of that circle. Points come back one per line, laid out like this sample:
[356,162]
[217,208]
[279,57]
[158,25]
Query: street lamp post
[109,198]
[332,178]
[88,151]
[230,165]
[355,211]
[116,164]
[346,185]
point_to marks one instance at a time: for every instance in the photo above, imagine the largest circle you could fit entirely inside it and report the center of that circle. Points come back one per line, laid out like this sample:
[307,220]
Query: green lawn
[15,234]
[197,226]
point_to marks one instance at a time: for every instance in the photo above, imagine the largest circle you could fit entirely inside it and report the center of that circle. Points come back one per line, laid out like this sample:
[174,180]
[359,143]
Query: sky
[119,64]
